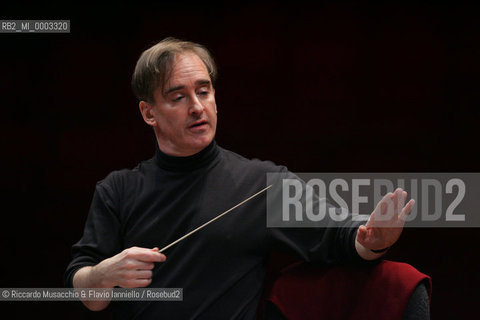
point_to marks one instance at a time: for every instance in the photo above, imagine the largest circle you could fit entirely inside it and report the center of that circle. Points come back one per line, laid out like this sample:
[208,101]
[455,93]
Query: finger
[387,206]
[144,265]
[136,283]
[399,192]
[143,274]
[383,207]
[406,211]
[145,255]
[382,203]
[133,264]
[397,195]
[148,255]
[142,282]
[402,197]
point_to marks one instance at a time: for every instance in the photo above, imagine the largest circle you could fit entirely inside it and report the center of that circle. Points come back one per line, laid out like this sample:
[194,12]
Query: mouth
[198,124]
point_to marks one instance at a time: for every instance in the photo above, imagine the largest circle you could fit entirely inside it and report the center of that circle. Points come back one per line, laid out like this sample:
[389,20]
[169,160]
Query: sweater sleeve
[327,241]
[101,238]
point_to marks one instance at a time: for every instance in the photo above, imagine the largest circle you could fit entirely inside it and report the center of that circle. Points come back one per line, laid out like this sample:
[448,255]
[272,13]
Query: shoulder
[257,165]
[118,180]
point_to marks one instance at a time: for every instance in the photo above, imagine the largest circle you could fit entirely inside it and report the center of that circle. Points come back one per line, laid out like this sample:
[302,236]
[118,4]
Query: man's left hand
[384,226]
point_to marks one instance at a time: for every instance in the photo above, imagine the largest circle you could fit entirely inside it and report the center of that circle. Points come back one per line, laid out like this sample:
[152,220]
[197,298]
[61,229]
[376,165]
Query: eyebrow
[197,83]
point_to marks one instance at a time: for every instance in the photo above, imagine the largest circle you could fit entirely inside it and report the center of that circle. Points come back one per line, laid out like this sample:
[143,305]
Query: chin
[201,143]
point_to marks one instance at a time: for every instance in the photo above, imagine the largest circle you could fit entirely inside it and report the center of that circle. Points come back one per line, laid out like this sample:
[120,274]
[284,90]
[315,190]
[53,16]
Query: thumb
[361,234]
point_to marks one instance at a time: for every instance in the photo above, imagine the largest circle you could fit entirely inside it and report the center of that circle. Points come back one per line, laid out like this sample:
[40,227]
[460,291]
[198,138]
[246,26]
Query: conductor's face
[184,114]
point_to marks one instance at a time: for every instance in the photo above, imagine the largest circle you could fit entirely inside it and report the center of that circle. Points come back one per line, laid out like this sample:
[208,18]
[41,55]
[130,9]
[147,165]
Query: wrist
[366,253]
[99,277]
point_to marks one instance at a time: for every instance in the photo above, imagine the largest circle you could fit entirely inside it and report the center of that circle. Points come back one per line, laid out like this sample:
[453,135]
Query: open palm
[386,222]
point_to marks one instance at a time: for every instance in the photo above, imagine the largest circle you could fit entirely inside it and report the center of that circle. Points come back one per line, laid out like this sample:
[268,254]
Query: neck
[192,162]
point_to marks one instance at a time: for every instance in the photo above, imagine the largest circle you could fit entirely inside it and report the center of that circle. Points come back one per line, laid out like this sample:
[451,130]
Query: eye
[178,98]
[203,92]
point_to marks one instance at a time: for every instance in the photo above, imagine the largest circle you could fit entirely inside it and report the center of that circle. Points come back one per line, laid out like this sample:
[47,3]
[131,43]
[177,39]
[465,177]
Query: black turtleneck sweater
[220,268]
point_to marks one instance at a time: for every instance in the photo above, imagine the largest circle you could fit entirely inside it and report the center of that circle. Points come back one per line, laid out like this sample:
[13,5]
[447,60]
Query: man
[189,181]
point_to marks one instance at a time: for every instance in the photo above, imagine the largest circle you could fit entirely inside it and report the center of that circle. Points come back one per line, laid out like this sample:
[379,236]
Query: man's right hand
[131,268]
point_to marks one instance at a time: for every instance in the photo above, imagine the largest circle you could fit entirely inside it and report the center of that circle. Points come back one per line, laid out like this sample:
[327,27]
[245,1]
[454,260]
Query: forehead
[187,66]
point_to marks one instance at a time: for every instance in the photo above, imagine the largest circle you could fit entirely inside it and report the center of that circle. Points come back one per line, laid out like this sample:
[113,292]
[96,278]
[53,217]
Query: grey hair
[155,65]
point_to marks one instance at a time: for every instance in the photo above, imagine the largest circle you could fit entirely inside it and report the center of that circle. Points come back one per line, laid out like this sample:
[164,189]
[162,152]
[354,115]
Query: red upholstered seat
[309,291]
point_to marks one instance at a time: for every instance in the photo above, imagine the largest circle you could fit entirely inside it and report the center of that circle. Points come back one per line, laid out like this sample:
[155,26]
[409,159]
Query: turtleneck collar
[190,163]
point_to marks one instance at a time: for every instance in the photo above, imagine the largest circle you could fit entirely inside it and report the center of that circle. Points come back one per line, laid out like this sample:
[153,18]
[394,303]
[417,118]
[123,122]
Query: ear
[146,109]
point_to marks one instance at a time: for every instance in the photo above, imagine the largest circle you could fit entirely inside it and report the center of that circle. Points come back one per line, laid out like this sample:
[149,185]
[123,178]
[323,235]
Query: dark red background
[328,87]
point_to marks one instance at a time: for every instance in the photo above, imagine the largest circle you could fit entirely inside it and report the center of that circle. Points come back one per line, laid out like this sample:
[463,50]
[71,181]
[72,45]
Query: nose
[196,106]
